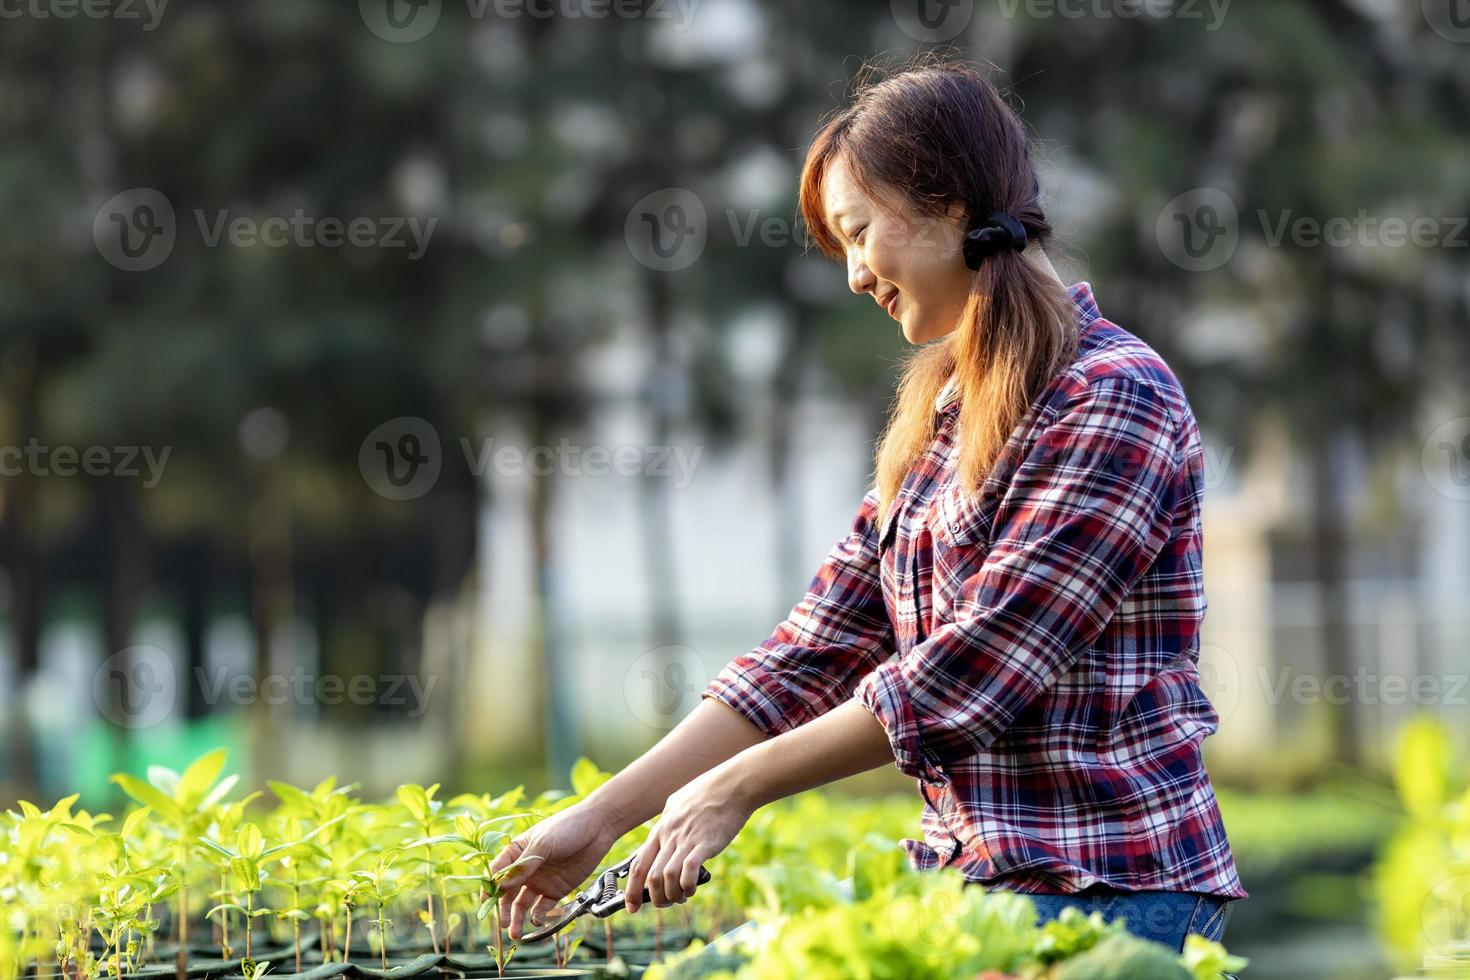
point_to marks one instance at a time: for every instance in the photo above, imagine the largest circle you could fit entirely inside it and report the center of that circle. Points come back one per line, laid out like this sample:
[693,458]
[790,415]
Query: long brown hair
[940,133]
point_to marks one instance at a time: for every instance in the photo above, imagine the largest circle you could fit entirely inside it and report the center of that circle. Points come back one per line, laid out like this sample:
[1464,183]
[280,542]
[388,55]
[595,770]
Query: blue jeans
[1163,916]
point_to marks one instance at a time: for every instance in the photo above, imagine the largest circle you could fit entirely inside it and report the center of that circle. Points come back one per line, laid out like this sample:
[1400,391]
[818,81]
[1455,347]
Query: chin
[915,335]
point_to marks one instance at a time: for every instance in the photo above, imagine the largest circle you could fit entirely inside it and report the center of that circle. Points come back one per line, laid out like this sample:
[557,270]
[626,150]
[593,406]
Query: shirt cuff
[884,694]
[757,696]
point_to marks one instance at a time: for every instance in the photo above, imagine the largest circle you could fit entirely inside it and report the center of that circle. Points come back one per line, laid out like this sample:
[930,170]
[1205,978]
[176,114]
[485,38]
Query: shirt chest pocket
[960,526]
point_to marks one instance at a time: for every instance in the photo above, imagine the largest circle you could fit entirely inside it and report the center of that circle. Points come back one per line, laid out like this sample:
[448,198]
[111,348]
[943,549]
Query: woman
[1029,558]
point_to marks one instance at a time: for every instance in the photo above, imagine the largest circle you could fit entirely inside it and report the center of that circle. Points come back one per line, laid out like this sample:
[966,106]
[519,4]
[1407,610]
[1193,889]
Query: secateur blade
[602,898]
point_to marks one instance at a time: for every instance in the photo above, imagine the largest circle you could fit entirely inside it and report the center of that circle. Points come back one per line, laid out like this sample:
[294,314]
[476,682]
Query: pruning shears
[602,898]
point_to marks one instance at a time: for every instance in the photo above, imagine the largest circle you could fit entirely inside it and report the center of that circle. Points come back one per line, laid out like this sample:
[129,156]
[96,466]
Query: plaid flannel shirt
[1031,649]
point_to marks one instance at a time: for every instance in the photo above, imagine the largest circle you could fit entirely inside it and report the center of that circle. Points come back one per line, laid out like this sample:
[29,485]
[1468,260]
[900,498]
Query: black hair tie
[998,232]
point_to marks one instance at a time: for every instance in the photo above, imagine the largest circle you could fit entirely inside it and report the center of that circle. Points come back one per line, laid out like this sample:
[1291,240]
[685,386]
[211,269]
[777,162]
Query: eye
[859,236]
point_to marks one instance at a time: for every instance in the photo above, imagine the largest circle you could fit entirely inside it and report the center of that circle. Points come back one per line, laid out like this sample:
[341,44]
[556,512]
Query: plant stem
[296,907]
[180,960]
[444,904]
[382,939]
[224,916]
[499,944]
[658,932]
[249,920]
[347,938]
[429,873]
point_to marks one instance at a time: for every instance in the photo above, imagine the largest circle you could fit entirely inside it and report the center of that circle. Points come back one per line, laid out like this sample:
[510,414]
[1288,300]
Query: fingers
[506,897]
[689,875]
[522,904]
[638,872]
[541,911]
[507,854]
[678,879]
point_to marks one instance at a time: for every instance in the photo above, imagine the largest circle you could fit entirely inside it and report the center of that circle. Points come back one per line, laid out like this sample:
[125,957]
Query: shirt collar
[1087,311]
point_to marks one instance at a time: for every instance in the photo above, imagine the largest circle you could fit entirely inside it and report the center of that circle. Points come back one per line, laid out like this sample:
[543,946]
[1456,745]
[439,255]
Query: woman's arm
[838,632]
[704,816]
[706,737]
[844,742]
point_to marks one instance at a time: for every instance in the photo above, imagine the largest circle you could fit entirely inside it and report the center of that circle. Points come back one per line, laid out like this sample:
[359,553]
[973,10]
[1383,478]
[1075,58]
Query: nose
[860,278]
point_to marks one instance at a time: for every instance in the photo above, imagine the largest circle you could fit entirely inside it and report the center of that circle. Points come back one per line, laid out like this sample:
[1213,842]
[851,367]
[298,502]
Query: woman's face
[912,261]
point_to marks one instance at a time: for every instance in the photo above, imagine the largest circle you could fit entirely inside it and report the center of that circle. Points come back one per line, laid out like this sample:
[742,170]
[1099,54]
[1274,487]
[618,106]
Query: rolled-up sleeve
[1087,512]
[838,632]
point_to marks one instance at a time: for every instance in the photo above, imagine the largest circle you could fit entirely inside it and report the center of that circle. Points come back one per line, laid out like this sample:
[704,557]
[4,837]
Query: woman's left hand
[699,821]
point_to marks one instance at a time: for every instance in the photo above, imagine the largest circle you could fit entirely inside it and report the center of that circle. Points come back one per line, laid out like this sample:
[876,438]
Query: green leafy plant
[378,886]
[1422,876]
[247,867]
[478,842]
[125,892]
[824,878]
[423,808]
[247,871]
[183,801]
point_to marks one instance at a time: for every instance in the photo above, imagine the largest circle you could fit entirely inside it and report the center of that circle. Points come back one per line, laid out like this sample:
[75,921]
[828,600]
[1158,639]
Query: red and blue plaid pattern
[1031,649]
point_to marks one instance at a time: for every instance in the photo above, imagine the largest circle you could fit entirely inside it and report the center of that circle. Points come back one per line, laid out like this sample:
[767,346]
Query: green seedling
[344,854]
[247,868]
[378,886]
[478,843]
[183,802]
[125,893]
[423,808]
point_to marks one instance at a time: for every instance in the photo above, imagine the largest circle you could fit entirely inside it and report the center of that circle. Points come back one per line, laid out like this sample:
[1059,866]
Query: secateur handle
[610,897]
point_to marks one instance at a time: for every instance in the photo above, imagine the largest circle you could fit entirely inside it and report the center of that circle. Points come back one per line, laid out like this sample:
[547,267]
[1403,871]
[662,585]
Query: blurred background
[439,390]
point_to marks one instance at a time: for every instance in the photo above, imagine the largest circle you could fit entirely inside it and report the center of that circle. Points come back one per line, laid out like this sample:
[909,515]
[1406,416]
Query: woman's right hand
[568,846]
